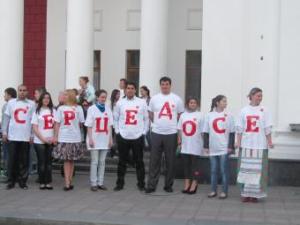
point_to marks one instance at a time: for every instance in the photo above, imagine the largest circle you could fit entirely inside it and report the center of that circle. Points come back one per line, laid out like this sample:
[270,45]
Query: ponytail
[215,101]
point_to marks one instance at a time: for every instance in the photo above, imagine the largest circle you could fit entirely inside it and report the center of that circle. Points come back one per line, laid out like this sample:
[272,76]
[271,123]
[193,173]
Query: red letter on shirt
[48,122]
[192,131]
[130,117]
[215,125]
[252,124]
[98,125]
[16,115]
[69,115]
[165,111]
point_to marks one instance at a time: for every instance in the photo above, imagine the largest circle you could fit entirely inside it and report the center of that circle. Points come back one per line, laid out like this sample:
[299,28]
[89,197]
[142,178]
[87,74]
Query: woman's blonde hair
[71,97]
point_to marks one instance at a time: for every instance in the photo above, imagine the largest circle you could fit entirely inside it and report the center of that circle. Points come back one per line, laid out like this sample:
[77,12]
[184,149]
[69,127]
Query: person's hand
[49,141]
[4,138]
[270,144]
[55,141]
[91,143]
[237,145]
[206,151]
[229,150]
[31,140]
[178,141]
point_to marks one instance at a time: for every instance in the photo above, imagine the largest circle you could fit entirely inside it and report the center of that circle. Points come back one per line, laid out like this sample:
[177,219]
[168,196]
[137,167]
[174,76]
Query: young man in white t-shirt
[19,134]
[164,111]
[131,124]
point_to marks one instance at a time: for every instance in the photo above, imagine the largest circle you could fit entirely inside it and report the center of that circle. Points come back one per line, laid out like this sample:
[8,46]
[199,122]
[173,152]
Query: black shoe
[149,190]
[94,188]
[23,186]
[194,191]
[118,188]
[168,189]
[67,188]
[185,191]
[71,187]
[141,188]
[49,187]
[102,188]
[10,186]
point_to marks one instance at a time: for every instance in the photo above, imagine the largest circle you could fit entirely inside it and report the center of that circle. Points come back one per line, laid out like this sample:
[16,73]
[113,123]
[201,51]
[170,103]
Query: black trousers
[124,146]
[18,161]
[44,156]
[191,165]
[166,144]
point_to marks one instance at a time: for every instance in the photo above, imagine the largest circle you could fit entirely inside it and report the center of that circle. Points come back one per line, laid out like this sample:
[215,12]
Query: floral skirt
[69,151]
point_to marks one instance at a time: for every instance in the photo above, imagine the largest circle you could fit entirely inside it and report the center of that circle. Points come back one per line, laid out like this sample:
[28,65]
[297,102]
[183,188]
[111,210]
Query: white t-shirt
[191,124]
[218,125]
[131,118]
[20,113]
[165,109]
[101,123]
[45,122]
[252,121]
[69,118]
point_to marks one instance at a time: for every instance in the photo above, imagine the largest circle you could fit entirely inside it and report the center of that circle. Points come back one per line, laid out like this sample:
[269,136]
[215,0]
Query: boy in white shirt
[18,112]
[131,124]
[164,111]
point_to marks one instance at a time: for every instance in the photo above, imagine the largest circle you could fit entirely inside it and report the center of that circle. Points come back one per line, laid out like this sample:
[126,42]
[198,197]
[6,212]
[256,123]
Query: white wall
[233,43]
[56,45]
[181,37]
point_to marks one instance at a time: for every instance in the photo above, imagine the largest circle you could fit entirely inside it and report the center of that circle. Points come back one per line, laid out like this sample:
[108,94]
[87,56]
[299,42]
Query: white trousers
[97,167]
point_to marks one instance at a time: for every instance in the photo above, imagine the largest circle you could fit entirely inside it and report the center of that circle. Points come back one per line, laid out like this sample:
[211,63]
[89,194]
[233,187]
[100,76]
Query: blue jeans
[222,161]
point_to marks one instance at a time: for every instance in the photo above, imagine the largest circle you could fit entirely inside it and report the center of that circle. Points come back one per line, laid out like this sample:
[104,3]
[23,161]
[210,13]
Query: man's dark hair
[165,79]
[131,83]
[11,92]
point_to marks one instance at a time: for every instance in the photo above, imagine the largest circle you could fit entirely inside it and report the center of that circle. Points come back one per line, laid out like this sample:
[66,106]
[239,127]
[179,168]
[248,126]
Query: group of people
[84,121]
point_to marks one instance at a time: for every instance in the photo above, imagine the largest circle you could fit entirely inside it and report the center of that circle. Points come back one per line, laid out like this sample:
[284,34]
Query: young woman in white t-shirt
[254,126]
[68,120]
[189,138]
[43,128]
[99,123]
[218,135]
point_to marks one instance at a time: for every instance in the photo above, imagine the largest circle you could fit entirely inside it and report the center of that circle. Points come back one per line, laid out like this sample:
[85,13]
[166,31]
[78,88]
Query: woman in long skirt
[254,128]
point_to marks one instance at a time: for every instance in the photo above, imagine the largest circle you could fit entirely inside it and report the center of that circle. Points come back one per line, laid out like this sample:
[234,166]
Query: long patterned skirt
[253,172]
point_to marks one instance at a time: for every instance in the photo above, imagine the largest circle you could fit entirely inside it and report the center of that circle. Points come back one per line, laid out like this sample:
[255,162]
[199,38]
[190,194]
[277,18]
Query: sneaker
[212,194]
[94,188]
[245,199]
[42,187]
[223,195]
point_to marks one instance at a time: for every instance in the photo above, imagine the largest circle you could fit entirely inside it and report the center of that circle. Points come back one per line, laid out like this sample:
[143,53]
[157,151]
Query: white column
[11,44]
[154,29]
[80,41]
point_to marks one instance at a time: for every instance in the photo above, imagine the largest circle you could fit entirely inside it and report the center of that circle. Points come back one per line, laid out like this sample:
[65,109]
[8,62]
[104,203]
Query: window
[193,74]
[133,66]
[97,69]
